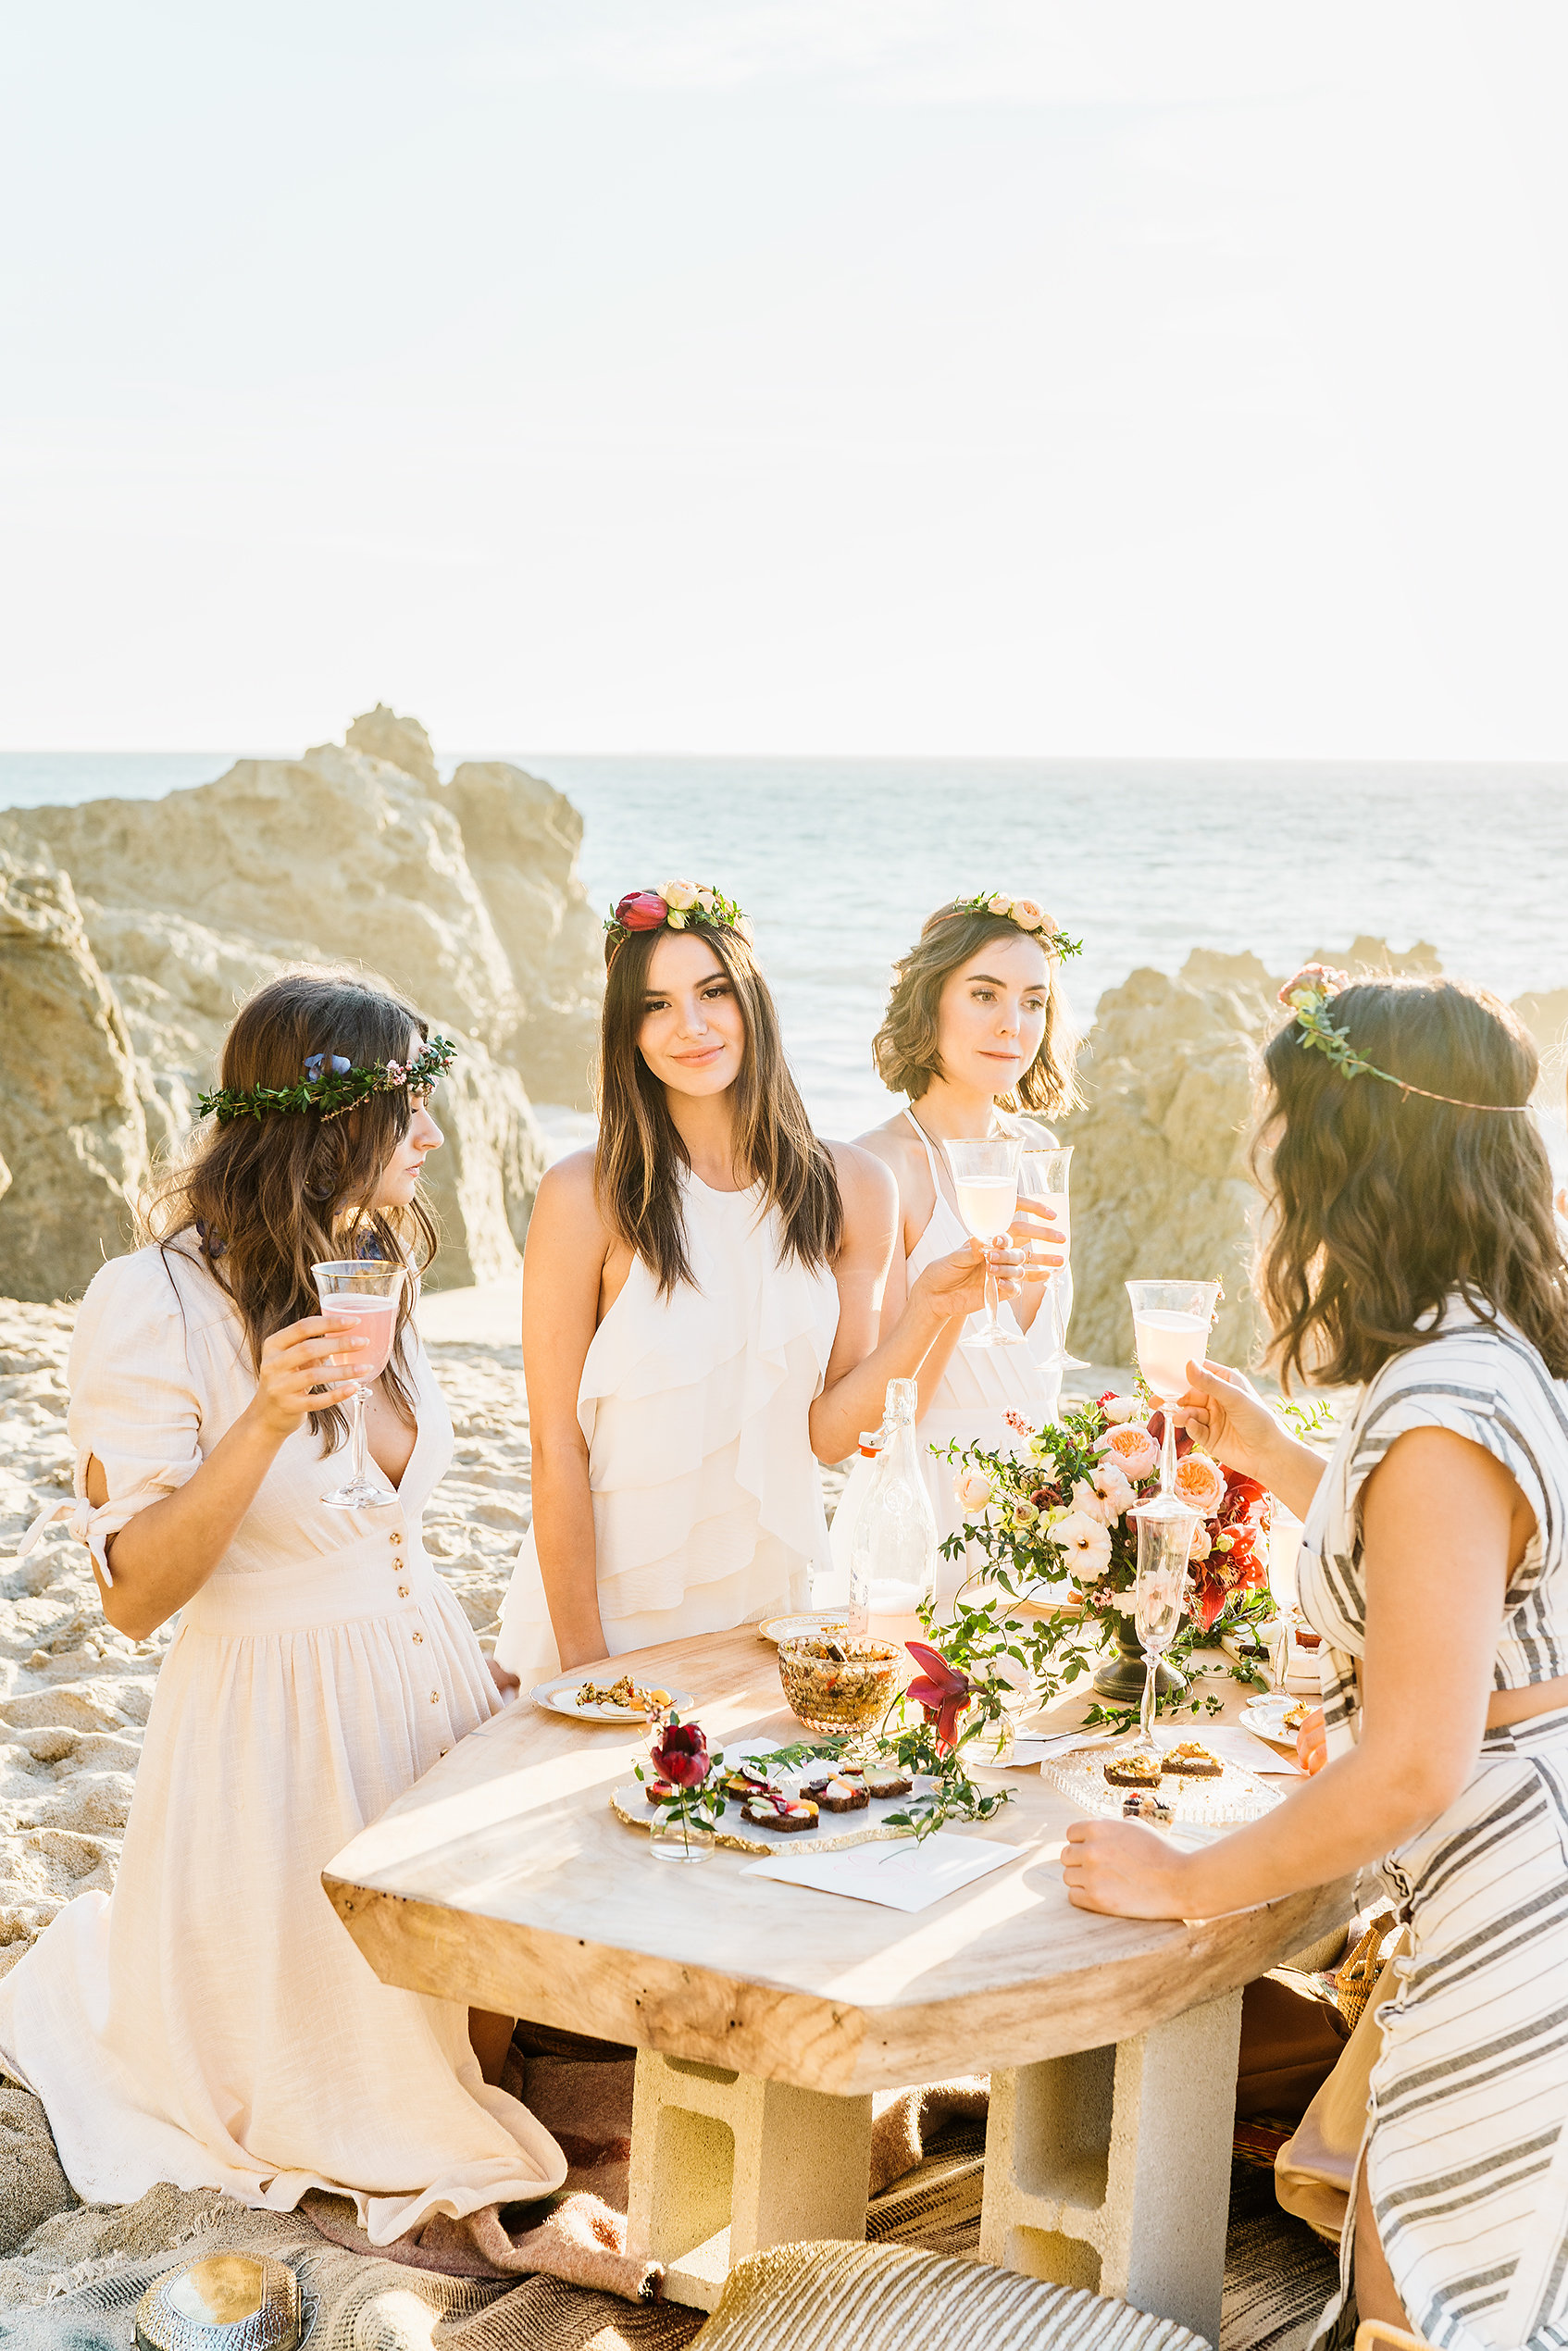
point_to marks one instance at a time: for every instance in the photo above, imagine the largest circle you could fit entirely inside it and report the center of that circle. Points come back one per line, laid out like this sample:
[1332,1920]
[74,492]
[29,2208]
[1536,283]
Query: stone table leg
[723,2164]
[1111,2168]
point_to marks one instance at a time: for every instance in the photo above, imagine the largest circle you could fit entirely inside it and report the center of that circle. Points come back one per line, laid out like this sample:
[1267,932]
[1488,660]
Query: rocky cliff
[1160,1182]
[134,927]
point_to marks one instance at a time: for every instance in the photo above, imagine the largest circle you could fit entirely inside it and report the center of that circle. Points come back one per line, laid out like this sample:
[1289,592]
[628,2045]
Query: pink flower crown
[675,905]
[1026,914]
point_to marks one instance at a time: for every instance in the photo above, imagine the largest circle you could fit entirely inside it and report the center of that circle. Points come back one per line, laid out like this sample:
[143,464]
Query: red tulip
[941,1691]
[681,1756]
[642,910]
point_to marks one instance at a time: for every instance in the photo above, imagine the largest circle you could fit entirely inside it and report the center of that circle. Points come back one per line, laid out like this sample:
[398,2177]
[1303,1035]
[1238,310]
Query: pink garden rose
[972,1488]
[1117,1409]
[1132,1449]
[1027,914]
[681,895]
[1199,1481]
[999,905]
[642,910]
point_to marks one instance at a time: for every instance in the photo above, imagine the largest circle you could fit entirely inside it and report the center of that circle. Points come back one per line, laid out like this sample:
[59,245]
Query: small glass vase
[680,1837]
[992,1745]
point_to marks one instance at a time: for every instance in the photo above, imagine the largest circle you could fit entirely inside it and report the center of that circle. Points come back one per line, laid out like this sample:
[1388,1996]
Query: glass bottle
[893,1552]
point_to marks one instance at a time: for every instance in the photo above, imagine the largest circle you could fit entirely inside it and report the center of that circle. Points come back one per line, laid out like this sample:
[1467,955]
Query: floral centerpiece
[1061,1505]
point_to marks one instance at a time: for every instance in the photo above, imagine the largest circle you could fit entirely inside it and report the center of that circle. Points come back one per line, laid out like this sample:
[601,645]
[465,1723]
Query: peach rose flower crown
[1027,914]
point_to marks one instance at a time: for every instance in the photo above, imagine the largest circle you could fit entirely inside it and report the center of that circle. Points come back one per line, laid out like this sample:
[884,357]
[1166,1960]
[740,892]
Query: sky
[946,376]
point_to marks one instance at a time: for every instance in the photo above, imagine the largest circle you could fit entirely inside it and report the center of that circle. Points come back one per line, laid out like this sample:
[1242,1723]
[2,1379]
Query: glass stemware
[369,1290]
[1165,1528]
[1046,1165]
[1171,1323]
[984,1182]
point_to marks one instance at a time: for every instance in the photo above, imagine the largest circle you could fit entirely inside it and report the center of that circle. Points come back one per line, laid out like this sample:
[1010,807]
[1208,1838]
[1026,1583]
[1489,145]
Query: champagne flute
[1164,1537]
[1047,1165]
[369,1290]
[1171,1323]
[985,1183]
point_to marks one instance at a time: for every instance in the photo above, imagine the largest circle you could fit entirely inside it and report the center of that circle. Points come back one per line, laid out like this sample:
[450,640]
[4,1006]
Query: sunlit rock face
[463,896]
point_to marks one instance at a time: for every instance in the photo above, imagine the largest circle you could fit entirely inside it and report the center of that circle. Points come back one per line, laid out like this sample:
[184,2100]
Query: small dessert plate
[791,1628]
[1267,1717]
[561,1697]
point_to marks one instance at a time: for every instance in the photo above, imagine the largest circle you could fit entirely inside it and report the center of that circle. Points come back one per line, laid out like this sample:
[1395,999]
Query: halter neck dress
[211,2023]
[707,1498]
[980,1386]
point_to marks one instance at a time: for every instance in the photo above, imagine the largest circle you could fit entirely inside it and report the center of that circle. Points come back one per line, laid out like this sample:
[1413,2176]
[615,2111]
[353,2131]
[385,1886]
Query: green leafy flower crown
[331,1084]
[1026,914]
[1308,997]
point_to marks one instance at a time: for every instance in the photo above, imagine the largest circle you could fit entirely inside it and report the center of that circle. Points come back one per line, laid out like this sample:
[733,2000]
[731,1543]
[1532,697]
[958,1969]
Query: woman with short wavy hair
[976,1029]
[1412,1256]
[210,2022]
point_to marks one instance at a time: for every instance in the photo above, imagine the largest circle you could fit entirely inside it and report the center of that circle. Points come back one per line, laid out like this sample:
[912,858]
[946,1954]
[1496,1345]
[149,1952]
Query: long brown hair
[906,1050]
[1384,1203]
[259,1200]
[640,1153]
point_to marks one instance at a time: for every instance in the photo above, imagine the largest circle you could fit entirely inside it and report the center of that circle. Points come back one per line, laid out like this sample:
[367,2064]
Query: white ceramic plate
[1267,1717]
[561,1697]
[791,1628]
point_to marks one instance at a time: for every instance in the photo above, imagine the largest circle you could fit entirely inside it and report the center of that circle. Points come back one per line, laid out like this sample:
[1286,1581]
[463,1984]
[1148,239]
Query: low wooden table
[765,2015]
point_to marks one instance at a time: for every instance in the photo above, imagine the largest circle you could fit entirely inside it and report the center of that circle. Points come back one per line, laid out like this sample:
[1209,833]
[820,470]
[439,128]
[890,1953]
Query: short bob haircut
[1384,1203]
[905,1049]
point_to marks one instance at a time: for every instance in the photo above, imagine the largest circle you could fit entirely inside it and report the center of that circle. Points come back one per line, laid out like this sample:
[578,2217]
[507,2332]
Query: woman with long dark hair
[977,1031]
[211,2024]
[1411,1256]
[701,1312]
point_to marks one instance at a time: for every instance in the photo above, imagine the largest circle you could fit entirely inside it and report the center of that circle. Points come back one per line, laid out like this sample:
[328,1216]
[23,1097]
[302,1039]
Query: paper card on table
[902,1877]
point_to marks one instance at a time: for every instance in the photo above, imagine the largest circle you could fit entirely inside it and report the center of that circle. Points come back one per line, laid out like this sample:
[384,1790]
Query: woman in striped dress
[1412,1253]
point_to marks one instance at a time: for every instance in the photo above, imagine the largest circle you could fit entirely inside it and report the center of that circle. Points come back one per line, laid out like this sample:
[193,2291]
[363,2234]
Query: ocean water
[839,861]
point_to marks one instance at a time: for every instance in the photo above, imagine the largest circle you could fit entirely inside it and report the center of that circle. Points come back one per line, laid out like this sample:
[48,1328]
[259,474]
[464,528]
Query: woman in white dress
[702,1300]
[1412,1263]
[976,1028]
[212,2024]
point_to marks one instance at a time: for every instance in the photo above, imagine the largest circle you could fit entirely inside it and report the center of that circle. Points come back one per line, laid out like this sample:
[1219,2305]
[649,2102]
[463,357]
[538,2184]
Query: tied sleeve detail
[97,1524]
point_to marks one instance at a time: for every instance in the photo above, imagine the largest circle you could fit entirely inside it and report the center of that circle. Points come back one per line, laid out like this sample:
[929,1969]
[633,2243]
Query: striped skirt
[1466,2153]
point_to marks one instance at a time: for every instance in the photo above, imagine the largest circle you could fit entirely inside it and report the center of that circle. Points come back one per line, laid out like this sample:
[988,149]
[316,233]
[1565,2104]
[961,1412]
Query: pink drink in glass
[375,1319]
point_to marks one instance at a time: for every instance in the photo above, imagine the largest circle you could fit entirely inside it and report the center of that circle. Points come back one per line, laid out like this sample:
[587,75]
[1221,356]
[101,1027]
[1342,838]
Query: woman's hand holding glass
[1225,1416]
[304,1368]
[956,1284]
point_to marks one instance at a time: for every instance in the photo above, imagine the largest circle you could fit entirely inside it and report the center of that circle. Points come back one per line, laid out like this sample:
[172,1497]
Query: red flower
[1046,1498]
[681,1756]
[642,910]
[939,1691]
[1157,1430]
[1205,1602]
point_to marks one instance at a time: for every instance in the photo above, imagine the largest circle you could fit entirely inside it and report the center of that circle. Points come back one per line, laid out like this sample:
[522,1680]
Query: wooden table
[765,2015]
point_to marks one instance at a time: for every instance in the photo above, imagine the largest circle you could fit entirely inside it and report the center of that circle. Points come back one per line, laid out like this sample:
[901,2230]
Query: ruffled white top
[212,2024]
[707,1500]
[979,1388]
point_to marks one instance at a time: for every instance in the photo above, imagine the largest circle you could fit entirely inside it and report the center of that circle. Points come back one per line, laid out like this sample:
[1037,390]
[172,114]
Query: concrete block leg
[723,2164]
[1111,2168]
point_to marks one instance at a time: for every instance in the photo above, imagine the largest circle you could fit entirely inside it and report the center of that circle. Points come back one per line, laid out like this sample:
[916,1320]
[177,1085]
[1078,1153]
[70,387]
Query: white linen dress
[979,1388]
[212,2024]
[707,1498]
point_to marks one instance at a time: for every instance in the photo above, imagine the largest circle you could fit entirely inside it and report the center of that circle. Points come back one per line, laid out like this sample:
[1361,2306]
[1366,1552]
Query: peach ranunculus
[1086,1545]
[681,895]
[1132,1449]
[1117,1409]
[972,1488]
[999,905]
[1115,1490]
[1027,914]
[1199,1482]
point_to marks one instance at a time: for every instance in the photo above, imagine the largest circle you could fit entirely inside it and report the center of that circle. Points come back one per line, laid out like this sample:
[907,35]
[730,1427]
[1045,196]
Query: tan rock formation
[342,856]
[71,1127]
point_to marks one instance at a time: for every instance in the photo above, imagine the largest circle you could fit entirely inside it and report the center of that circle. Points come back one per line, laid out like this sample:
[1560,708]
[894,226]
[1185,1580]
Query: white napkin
[902,1877]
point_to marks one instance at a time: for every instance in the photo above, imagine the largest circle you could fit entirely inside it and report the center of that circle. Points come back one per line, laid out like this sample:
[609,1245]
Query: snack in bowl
[1190,1761]
[838,1795]
[779,1813]
[1147,1808]
[836,1683]
[1133,1770]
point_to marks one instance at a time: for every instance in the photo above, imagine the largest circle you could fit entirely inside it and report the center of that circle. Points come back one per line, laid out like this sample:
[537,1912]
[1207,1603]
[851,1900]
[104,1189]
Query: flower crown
[1309,995]
[331,1084]
[1027,914]
[675,905]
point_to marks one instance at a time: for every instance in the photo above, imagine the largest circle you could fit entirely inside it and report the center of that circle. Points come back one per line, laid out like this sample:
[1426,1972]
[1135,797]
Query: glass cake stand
[1237,1794]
